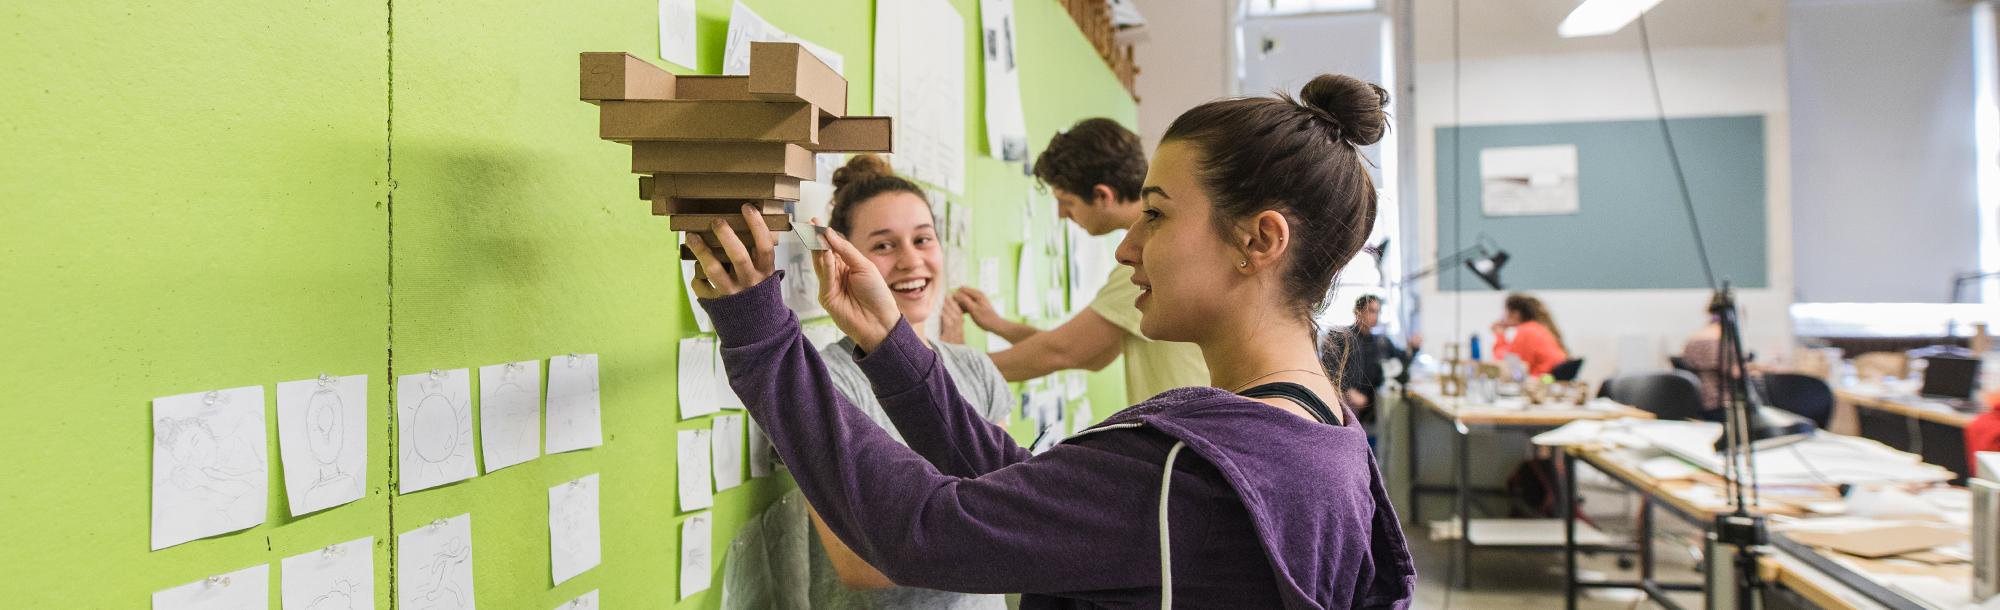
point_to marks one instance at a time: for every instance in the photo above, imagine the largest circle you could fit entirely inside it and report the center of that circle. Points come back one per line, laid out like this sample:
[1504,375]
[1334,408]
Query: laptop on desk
[1950,381]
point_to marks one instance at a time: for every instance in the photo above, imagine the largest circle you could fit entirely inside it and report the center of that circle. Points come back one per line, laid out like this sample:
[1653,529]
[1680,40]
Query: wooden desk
[1465,415]
[1937,433]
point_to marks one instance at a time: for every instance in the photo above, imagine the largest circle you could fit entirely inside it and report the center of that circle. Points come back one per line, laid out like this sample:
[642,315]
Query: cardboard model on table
[704,146]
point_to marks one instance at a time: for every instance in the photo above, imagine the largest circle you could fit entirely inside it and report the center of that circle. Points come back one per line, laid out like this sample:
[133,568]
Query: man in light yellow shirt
[1095,170]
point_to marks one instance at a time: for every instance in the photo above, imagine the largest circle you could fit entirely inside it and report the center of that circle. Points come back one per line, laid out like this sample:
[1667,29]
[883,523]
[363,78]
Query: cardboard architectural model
[704,146]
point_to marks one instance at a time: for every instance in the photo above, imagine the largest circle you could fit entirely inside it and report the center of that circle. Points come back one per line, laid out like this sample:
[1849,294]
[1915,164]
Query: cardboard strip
[645,188]
[786,70]
[722,158]
[870,134]
[726,186]
[694,121]
[705,222]
[668,206]
[620,76]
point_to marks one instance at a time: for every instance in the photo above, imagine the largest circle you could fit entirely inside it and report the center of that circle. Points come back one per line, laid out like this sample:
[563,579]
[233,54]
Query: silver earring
[1242,264]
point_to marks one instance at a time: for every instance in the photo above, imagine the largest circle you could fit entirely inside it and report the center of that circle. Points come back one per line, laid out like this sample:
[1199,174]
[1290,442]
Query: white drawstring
[1166,552]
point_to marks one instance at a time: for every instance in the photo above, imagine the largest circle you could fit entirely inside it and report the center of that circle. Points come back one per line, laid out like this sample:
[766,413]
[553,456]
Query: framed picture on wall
[1528,180]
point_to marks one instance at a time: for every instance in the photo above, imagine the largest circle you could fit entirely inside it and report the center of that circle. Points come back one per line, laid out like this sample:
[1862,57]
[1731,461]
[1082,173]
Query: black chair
[1681,364]
[1567,370]
[1808,397]
[1674,395]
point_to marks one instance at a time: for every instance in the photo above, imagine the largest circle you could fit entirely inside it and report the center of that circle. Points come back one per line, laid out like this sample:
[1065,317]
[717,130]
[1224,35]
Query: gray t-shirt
[983,387]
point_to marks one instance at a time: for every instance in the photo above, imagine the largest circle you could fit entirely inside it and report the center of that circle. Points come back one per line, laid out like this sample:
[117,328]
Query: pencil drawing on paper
[437,440]
[340,596]
[208,464]
[326,436]
[438,584]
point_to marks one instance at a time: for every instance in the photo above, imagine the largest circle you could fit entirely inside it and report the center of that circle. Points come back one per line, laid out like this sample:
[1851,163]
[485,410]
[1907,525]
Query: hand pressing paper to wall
[575,412]
[208,464]
[322,440]
[246,588]
[434,429]
[510,413]
[574,545]
[693,470]
[340,576]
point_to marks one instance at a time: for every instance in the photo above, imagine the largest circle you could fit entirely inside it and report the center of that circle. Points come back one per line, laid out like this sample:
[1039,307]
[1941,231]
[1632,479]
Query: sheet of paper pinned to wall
[1028,282]
[322,441]
[587,601]
[434,565]
[339,576]
[701,321]
[1006,124]
[759,452]
[1084,417]
[698,393]
[822,335]
[726,437]
[246,588]
[209,464]
[746,26]
[1528,180]
[693,470]
[1092,259]
[510,413]
[677,40]
[920,80]
[697,554]
[801,285]
[576,418]
[574,545]
[434,429]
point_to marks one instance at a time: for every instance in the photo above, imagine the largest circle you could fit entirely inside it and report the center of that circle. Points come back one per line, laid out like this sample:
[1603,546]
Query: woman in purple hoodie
[1251,493]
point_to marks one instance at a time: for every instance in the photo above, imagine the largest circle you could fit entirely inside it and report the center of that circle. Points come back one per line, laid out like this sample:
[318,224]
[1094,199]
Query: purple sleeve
[1071,519]
[927,408]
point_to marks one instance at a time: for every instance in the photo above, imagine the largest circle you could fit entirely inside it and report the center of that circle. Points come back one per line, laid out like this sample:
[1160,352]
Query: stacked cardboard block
[704,146]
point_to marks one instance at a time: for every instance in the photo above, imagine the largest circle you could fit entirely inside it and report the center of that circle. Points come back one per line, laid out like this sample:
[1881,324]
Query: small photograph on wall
[1528,180]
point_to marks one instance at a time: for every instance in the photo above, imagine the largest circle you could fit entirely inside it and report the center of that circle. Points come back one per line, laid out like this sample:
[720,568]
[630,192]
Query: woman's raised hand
[854,293]
[747,266]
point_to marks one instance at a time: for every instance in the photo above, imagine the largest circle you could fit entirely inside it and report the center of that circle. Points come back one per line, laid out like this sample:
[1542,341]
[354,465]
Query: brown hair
[1092,152]
[1301,157]
[1531,309]
[864,177]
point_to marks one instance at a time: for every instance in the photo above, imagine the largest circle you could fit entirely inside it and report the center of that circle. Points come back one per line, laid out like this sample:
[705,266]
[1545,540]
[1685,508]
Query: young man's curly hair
[1092,152]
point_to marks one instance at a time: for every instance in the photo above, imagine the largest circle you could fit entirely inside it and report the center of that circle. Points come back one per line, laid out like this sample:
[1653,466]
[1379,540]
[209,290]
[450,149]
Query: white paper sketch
[694,470]
[759,452]
[434,429]
[322,440]
[699,395]
[1528,180]
[801,285]
[701,321]
[1028,282]
[338,577]
[1006,125]
[677,40]
[434,566]
[574,546]
[209,464]
[697,554]
[726,437]
[920,80]
[246,588]
[510,413]
[575,412]
[587,601]
[746,26]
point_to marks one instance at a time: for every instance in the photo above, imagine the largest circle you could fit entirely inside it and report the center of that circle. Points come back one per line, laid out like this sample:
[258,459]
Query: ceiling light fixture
[1601,17]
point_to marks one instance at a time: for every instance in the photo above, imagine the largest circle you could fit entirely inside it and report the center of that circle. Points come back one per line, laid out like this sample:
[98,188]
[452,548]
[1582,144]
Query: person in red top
[1536,340]
[1983,434]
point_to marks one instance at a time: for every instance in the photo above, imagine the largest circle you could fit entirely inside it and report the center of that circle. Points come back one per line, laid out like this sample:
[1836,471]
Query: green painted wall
[1631,229]
[203,197]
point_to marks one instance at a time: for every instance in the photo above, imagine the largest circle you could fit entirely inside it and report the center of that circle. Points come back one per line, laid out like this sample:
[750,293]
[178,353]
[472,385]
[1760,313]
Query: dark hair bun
[861,168]
[1354,104]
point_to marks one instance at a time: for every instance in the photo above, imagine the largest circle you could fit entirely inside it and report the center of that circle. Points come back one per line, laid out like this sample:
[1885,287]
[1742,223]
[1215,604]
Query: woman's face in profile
[1186,272]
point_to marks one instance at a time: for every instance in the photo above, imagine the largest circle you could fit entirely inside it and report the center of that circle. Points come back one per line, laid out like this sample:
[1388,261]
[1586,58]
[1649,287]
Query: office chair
[1805,396]
[1675,395]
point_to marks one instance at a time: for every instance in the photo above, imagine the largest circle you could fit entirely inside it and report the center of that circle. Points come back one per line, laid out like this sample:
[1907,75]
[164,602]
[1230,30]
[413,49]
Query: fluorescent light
[1600,17]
